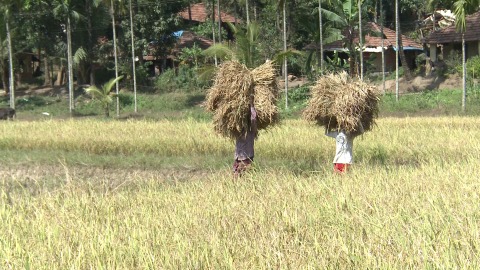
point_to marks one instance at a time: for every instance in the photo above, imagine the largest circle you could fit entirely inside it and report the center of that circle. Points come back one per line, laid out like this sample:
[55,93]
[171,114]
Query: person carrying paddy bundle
[243,101]
[346,107]
[343,149]
[245,145]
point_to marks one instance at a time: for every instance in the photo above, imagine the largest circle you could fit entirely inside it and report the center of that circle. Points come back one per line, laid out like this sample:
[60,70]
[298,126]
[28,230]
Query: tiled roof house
[373,46]
[443,41]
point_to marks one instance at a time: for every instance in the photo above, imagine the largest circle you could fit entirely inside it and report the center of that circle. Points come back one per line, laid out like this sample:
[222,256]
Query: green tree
[104,95]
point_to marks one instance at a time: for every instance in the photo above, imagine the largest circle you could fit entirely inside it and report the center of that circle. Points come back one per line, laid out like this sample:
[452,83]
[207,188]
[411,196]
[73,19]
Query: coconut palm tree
[283,5]
[461,9]
[65,10]
[320,34]
[104,94]
[133,58]
[111,5]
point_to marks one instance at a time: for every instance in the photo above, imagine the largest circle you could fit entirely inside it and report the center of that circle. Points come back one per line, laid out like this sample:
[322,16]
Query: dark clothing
[244,145]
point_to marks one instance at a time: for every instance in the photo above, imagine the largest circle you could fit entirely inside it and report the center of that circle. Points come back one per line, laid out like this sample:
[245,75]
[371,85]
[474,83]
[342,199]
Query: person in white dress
[343,150]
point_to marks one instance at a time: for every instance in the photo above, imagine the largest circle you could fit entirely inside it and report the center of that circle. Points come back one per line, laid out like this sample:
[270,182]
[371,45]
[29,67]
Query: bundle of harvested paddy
[229,99]
[339,102]
[266,95]
[230,96]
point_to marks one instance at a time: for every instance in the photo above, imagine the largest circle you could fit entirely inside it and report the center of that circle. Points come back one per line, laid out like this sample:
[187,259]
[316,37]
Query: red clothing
[340,167]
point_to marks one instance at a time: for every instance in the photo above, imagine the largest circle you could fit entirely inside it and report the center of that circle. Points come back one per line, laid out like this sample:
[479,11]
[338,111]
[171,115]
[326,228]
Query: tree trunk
[397,44]
[219,22]
[90,75]
[383,47]
[46,73]
[285,71]
[112,10]
[320,30]
[60,75]
[133,59]
[246,11]
[70,66]
[401,53]
[352,55]
[360,37]
[107,110]
[213,30]
[3,68]
[403,59]
[10,60]
[5,80]
[464,79]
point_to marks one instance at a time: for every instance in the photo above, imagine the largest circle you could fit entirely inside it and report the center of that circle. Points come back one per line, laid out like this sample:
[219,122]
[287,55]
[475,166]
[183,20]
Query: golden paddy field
[90,194]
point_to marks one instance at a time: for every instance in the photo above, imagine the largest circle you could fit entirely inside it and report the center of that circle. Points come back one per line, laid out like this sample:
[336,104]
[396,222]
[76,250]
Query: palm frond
[219,50]
[459,11]
[280,57]
[333,17]
[107,87]
[80,54]
[94,91]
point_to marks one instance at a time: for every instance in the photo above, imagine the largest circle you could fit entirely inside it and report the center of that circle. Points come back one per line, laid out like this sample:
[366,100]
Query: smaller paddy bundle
[339,102]
[233,89]
[266,95]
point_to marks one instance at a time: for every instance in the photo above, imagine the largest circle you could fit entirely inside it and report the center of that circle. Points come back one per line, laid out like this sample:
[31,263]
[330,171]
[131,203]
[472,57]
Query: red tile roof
[372,39]
[200,14]
[450,34]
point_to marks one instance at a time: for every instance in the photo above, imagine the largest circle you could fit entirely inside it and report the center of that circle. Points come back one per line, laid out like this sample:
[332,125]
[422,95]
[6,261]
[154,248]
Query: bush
[473,67]
[301,93]
[185,79]
[453,63]
[29,103]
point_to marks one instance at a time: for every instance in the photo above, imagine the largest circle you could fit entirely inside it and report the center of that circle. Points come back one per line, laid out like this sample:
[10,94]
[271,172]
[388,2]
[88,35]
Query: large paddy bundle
[339,102]
[229,98]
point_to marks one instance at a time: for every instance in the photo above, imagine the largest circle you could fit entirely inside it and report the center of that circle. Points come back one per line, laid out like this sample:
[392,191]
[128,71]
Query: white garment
[344,147]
